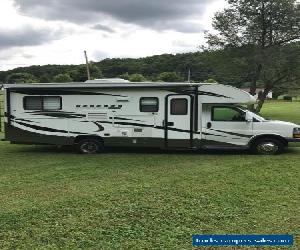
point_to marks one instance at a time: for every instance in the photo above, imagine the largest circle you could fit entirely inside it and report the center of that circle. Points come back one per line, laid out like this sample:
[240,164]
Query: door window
[179,106]
[228,114]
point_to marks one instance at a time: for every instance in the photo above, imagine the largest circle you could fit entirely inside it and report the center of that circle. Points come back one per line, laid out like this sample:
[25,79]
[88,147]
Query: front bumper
[292,139]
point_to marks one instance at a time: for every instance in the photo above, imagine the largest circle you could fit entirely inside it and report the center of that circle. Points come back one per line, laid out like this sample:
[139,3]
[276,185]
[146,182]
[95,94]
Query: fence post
[0,116]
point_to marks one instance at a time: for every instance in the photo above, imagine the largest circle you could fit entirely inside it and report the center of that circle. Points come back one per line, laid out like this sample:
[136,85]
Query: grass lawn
[145,200]
[285,111]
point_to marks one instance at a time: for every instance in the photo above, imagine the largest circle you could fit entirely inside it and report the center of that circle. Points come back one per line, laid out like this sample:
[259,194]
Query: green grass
[1,111]
[54,199]
[285,111]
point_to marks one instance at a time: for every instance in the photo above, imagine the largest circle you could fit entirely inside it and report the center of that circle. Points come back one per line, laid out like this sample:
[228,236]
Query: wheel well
[277,137]
[84,137]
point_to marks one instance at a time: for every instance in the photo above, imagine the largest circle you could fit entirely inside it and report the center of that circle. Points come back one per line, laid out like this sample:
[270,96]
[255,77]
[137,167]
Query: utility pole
[87,66]
[189,76]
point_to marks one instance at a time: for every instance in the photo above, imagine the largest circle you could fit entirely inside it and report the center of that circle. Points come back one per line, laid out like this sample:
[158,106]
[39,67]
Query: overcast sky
[58,31]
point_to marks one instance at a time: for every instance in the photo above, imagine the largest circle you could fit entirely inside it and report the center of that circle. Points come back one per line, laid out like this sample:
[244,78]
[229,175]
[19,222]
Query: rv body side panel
[113,115]
[218,93]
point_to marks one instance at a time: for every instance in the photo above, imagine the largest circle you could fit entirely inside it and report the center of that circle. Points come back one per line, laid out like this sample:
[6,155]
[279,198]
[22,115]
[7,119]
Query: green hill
[229,66]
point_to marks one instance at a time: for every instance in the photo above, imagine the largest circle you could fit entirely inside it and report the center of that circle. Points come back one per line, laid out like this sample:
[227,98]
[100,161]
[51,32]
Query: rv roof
[96,85]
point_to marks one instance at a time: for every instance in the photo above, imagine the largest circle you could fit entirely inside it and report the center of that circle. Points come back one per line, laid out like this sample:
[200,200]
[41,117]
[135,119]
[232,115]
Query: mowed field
[129,199]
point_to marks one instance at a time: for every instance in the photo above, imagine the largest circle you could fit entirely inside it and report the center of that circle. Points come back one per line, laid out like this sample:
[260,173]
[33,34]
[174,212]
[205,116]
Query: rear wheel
[90,146]
[268,146]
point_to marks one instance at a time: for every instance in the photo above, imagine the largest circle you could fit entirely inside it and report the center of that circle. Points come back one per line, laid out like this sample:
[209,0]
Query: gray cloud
[8,53]
[103,28]
[27,36]
[99,55]
[156,14]
[27,56]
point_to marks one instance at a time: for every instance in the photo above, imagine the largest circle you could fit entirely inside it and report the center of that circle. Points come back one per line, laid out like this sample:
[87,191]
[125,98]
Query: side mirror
[249,117]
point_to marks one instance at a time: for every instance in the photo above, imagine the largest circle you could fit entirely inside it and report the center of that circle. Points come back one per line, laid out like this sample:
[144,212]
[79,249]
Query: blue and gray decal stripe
[232,133]
[47,129]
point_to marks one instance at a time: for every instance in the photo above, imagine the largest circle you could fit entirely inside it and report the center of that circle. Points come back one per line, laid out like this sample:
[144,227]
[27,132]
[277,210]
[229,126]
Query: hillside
[203,66]
[229,66]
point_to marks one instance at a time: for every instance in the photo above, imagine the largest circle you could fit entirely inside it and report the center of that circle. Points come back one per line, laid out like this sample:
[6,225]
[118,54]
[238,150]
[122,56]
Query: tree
[264,29]
[45,78]
[79,74]
[62,78]
[125,76]
[210,80]
[137,78]
[170,77]
[21,78]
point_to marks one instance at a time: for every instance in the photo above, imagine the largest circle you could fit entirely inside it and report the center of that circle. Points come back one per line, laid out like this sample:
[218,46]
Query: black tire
[90,146]
[268,146]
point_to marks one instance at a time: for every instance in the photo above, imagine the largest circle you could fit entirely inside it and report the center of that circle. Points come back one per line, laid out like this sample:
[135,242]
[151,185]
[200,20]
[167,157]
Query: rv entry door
[178,121]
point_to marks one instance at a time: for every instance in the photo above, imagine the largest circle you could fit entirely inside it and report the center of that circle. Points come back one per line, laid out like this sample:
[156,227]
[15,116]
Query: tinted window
[33,103]
[179,106]
[227,114]
[149,104]
[42,103]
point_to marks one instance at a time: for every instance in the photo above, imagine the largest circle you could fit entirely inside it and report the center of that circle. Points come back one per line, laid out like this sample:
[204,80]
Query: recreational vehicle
[102,113]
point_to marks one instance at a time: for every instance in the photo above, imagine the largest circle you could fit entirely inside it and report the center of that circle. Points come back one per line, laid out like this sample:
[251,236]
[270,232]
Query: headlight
[296,133]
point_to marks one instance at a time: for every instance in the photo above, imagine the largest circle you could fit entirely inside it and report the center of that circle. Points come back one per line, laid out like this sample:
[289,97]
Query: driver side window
[227,114]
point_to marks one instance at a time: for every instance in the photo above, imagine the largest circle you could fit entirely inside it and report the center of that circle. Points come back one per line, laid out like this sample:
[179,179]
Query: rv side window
[33,103]
[149,104]
[42,103]
[51,103]
[227,114]
[179,106]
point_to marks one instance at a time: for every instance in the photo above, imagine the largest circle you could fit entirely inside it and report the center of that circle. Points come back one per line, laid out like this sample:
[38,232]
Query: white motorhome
[114,113]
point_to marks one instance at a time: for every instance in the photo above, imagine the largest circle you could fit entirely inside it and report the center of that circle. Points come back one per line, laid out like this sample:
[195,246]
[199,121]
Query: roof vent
[107,80]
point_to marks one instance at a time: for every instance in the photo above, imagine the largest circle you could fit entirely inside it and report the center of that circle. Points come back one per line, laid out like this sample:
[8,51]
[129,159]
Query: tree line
[225,66]
[167,67]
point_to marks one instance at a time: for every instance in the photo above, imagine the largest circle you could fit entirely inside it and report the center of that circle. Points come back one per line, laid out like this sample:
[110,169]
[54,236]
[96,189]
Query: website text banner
[243,240]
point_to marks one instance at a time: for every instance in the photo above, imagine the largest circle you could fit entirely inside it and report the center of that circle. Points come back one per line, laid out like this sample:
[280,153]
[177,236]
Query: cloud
[27,56]
[28,36]
[98,55]
[103,28]
[58,31]
[155,14]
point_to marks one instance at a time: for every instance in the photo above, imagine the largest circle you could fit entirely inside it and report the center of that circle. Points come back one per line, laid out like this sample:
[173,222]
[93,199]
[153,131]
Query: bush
[288,98]
[210,81]
[21,78]
[62,78]
[137,78]
[170,77]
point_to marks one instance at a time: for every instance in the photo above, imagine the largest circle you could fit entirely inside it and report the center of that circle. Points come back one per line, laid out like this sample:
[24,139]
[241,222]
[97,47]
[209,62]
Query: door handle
[209,125]
[168,124]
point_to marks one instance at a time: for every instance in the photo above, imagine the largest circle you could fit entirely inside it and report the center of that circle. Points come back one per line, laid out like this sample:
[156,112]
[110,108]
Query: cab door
[178,121]
[226,125]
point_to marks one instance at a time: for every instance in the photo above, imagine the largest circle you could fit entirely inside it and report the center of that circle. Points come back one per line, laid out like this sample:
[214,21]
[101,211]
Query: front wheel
[90,146]
[268,146]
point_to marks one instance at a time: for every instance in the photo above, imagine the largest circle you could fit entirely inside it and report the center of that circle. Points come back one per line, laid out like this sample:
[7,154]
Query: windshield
[256,116]
[259,117]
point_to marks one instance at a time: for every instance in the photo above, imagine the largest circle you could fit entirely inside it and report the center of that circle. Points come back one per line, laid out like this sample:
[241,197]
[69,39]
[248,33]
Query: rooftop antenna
[189,76]
[87,66]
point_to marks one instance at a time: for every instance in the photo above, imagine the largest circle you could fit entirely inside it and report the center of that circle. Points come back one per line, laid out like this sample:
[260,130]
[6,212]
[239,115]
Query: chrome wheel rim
[268,148]
[89,148]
